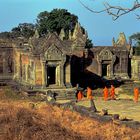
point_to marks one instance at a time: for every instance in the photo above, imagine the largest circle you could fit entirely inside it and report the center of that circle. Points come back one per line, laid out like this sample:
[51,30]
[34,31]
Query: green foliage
[6,35]
[89,44]
[55,21]
[136,38]
[24,30]
[137,51]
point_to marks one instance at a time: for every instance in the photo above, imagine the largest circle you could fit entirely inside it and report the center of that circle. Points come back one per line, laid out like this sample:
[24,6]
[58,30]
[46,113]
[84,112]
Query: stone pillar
[111,70]
[100,69]
[26,72]
[43,74]
[58,75]
[62,75]
[4,67]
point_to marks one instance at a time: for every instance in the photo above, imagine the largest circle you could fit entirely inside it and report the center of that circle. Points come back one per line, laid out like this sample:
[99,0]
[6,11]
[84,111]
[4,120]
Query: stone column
[26,72]
[100,69]
[43,74]
[4,67]
[62,75]
[111,70]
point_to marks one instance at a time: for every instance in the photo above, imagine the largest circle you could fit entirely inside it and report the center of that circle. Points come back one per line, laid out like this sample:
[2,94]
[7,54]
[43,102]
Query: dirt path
[123,107]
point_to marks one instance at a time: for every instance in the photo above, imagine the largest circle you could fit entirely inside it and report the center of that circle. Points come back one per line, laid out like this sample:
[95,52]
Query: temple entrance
[51,75]
[105,70]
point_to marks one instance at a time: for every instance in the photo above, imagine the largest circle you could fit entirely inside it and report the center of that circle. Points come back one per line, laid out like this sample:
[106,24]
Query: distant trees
[55,20]
[24,29]
[89,43]
[46,22]
[136,38]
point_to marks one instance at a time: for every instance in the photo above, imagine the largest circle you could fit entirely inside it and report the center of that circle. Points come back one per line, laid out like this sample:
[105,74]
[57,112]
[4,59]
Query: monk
[79,95]
[105,91]
[89,93]
[112,92]
[136,94]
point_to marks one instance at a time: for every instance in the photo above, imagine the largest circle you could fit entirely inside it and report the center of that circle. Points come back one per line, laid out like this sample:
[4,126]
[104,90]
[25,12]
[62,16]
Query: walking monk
[89,93]
[105,91]
[79,95]
[112,92]
[136,94]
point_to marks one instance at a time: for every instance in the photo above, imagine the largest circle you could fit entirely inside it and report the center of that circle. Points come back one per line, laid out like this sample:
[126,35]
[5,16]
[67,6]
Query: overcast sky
[101,28]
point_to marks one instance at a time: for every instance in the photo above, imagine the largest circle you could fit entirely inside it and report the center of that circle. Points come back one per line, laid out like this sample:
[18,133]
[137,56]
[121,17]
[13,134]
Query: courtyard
[124,107]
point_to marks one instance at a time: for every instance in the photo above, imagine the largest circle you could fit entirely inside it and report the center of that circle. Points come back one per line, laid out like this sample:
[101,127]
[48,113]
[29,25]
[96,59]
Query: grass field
[25,119]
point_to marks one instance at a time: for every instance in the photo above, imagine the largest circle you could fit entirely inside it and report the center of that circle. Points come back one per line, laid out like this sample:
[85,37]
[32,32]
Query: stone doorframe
[106,55]
[53,57]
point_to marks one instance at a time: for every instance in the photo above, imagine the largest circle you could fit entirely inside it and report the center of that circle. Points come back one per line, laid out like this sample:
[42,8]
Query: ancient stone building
[6,60]
[135,67]
[112,61]
[46,63]
[54,63]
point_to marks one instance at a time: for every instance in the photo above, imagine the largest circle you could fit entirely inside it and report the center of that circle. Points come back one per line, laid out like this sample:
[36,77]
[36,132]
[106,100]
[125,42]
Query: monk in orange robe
[105,91]
[89,93]
[112,92]
[136,94]
[79,95]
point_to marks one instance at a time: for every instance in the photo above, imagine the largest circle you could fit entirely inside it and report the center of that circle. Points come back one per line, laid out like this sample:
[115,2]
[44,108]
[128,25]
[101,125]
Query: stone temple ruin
[54,63]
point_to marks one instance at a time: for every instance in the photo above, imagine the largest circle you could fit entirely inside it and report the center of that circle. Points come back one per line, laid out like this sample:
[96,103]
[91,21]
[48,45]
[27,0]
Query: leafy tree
[24,30]
[136,38]
[89,43]
[5,35]
[55,20]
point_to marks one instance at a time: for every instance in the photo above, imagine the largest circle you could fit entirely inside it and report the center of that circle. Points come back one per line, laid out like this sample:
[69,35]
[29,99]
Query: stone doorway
[51,75]
[105,70]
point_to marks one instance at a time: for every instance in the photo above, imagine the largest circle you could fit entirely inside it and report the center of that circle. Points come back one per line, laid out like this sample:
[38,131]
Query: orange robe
[89,93]
[105,91]
[136,94]
[79,95]
[112,92]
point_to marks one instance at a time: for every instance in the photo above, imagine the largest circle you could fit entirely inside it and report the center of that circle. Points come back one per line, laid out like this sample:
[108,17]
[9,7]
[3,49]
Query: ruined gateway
[53,63]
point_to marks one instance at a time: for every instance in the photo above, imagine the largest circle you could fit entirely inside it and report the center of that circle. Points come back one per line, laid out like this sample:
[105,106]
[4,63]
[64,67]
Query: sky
[100,27]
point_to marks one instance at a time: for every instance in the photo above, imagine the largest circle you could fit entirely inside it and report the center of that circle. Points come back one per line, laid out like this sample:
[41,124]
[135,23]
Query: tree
[136,38]
[89,43]
[115,11]
[55,20]
[24,30]
[5,35]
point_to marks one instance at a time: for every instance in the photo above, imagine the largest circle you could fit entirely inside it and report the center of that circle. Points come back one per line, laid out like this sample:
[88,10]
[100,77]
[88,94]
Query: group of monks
[106,94]
[89,94]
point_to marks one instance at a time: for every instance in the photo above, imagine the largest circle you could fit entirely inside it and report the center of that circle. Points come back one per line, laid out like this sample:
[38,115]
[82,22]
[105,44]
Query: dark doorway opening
[104,69]
[51,72]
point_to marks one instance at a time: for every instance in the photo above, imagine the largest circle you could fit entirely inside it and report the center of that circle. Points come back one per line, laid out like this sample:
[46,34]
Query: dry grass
[25,120]
[19,122]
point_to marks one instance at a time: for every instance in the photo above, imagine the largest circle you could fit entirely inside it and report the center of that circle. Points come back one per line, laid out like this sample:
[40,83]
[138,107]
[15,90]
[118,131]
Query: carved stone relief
[106,54]
[53,53]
